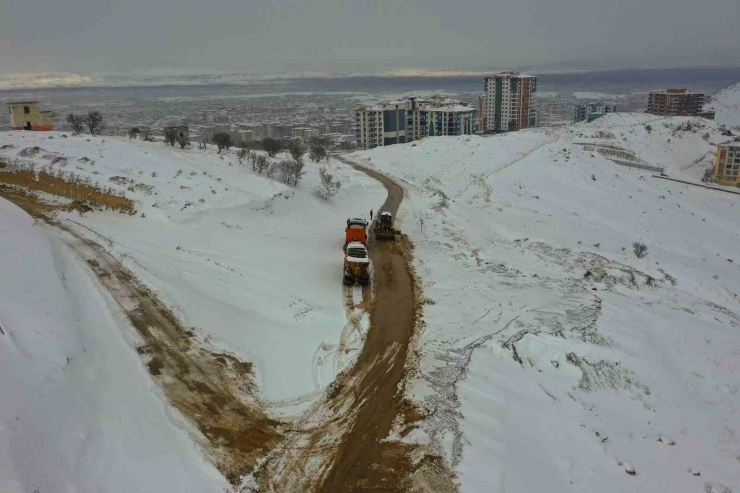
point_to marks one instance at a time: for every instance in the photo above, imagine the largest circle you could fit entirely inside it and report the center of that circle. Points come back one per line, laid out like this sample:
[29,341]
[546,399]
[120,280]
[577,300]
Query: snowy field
[726,104]
[79,411]
[554,359]
[252,264]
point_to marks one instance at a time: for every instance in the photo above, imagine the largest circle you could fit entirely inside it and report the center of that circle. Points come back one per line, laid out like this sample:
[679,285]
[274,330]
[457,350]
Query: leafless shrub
[241,155]
[329,187]
[133,133]
[272,168]
[640,249]
[183,140]
[261,163]
[170,136]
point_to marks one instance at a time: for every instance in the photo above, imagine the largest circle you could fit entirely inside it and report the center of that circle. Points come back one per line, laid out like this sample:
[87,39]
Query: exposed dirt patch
[47,183]
[212,389]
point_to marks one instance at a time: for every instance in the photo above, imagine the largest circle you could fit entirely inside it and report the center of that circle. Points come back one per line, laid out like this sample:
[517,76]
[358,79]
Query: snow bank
[553,358]
[726,104]
[78,411]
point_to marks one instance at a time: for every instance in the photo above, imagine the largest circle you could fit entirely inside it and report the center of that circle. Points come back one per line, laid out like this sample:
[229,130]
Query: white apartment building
[509,102]
[438,117]
[381,124]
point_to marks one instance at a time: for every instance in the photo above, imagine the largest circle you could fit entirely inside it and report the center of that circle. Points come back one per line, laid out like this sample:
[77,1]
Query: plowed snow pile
[553,358]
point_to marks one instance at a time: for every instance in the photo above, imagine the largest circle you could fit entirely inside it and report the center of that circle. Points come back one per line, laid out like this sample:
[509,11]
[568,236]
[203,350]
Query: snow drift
[553,358]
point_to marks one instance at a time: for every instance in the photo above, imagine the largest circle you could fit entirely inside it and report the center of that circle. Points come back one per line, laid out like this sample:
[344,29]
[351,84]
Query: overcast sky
[132,36]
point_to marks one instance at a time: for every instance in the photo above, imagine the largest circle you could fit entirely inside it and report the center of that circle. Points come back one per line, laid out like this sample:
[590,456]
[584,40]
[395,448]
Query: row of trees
[93,120]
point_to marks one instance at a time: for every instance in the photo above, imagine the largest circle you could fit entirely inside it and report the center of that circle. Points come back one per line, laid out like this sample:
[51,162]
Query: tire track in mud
[349,442]
[212,389]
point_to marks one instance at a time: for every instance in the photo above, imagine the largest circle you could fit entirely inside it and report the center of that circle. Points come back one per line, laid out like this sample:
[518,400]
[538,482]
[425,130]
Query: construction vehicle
[384,227]
[356,264]
[356,231]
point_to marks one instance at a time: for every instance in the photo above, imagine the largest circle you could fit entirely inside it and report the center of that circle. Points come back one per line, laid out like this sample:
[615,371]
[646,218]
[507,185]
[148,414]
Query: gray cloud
[87,36]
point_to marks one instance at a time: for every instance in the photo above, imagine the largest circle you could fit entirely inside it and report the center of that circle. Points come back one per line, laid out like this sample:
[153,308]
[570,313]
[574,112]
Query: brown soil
[213,390]
[44,182]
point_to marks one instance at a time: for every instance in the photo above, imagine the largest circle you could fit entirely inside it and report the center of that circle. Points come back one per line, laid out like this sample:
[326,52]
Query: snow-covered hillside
[79,411]
[253,265]
[553,358]
[726,104]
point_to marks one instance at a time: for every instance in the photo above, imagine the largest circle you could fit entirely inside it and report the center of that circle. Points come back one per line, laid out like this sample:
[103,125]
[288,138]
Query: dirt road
[367,461]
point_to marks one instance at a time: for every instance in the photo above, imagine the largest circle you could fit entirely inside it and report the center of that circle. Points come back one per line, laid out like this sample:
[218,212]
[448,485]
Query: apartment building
[591,111]
[381,124]
[675,102]
[727,164]
[509,102]
[438,117]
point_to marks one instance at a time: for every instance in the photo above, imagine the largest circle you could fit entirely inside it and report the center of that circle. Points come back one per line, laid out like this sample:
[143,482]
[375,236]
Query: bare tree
[261,163]
[286,172]
[133,133]
[297,170]
[184,140]
[329,187]
[241,155]
[202,142]
[77,122]
[170,136]
[640,249]
[296,150]
[222,141]
[271,146]
[94,121]
[317,153]
[271,169]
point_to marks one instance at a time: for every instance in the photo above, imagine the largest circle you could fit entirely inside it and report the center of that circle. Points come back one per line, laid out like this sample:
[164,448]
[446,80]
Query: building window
[26,110]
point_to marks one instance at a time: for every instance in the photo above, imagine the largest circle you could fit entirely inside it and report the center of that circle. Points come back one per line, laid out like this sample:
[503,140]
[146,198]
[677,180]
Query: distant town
[507,104]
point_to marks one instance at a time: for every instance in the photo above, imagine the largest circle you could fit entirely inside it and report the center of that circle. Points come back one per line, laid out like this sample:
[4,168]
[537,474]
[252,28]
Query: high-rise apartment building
[439,117]
[675,102]
[397,122]
[592,111]
[509,102]
[381,124]
[727,164]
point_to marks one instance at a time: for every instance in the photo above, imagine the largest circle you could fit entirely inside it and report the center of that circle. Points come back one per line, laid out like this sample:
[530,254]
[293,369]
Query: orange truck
[356,231]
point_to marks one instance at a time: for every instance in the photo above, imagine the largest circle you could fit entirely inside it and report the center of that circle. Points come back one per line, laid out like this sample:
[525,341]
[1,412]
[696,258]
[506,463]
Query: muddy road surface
[344,444]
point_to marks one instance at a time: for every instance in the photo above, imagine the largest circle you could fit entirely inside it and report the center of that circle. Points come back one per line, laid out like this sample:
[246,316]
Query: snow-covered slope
[79,412]
[554,359]
[253,264]
[726,104]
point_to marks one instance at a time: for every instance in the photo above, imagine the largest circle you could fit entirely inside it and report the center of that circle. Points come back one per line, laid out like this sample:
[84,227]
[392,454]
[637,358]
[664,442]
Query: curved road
[391,328]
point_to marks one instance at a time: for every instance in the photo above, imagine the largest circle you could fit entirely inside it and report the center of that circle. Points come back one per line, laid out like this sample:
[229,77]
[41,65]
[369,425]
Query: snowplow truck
[384,227]
[356,231]
[356,264]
